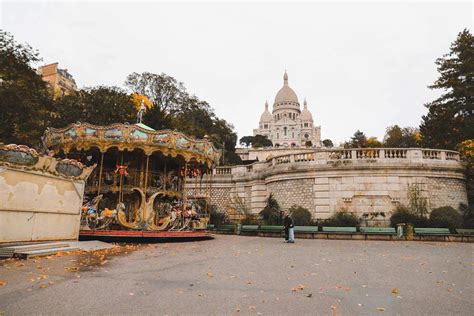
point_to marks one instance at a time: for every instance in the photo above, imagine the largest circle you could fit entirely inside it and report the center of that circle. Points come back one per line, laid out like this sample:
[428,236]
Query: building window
[265,126]
[305,124]
[278,135]
[284,130]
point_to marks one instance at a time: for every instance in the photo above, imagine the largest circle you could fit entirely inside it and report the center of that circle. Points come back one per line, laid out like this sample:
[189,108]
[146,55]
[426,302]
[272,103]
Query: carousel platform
[143,236]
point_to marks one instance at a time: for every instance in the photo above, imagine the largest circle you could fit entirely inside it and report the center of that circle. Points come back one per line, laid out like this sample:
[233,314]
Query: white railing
[352,155]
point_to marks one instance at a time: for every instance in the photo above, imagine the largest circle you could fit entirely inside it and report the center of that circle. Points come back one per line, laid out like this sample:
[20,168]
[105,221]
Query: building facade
[287,125]
[60,80]
[361,181]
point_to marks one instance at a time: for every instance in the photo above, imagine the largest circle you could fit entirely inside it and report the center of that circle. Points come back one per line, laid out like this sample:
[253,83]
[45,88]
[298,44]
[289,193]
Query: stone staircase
[34,250]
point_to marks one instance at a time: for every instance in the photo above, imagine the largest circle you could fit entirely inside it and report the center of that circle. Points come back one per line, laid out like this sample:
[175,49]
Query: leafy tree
[466,149]
[418,204]
[300,215]
[271,213]
[25,99]
[398,137]
[256,141]
[467,212]
[359,140]
[373,142]
[328,143]
[449,120]
[308,143]
[99,105]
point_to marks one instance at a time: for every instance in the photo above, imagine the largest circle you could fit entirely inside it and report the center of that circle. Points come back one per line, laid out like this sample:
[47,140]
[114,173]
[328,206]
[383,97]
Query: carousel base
[143,236]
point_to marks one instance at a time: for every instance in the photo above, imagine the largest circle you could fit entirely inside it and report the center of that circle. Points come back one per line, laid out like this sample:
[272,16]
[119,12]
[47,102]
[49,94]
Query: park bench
[249,229]
[336,232]
[378,231]
[226,228]
[211,226]
[270,229]
[306,230]
[466,234]
[432,232]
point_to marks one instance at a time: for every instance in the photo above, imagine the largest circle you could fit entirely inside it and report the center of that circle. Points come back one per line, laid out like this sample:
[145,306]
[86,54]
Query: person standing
[289,228]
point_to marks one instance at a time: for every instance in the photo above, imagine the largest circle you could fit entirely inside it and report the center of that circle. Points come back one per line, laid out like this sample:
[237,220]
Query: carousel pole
[145,185]
[121,179]
[100,173]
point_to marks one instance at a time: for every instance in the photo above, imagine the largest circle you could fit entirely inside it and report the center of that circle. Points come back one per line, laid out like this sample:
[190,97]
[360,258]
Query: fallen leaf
[237,310]
[395,291]
[309,295]
[381,309]
[209,274]
[3,283]
[71,269]
[252,307]
[43,286]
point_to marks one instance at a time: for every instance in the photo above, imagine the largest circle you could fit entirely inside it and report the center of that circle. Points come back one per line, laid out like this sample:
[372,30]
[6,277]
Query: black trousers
[287,233]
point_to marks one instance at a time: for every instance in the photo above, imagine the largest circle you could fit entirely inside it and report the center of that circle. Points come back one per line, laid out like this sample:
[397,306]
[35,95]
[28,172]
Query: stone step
[9,251]
[43,252]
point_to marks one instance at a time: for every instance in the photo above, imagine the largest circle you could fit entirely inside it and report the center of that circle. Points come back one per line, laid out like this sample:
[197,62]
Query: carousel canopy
[83,136]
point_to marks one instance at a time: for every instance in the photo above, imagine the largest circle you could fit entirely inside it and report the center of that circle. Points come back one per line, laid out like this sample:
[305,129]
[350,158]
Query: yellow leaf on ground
[381,309]
[395,291]
[43,286]
[3,283]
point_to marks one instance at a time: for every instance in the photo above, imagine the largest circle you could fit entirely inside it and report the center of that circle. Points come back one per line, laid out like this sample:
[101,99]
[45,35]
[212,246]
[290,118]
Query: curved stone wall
[359,180]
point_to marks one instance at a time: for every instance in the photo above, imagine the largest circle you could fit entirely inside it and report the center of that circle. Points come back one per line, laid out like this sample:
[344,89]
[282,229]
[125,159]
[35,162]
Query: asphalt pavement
[236,275]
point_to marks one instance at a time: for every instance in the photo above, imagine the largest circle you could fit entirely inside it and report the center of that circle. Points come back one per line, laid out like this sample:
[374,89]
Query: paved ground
[249,275]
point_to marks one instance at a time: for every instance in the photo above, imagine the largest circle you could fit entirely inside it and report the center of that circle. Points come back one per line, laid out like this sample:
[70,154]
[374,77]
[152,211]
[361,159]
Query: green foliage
[308,143]
[397,137]
[217,217]
[359,140]
[251,219]
[467,213]
[271,214]
[256,141]
[342,218]
[328,143]
[174,108]
[445,217]
[449,120]
[25,100]
[403,215]
[300,215]
[99,105]
[418,204]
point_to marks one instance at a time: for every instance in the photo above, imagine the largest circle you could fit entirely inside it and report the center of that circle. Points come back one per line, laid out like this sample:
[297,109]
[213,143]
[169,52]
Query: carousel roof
[83,136]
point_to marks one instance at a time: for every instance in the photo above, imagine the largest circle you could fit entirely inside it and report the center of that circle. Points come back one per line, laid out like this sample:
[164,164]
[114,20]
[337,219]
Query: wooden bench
[378,231]
[309,230]
[432,232]
[338,232]
[465,233]
[270,229]
[226,228]
[249,229]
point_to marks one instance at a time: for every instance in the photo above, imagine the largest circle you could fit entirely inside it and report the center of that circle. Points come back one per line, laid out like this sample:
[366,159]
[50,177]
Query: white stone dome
[266,116]
[306,114]
[286,94]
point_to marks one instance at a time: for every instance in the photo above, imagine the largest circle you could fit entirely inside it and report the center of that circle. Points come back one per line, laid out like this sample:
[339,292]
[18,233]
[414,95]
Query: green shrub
[217,217]
[403,215]
[271,214]
[342,218]
[467,213]
[300,215]
[445,217]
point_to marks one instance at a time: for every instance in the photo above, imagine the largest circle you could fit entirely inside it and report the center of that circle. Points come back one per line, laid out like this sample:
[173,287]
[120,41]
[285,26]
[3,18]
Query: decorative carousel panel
[68,169]
[91,132]
[138,136]
[18,157]
[113,134]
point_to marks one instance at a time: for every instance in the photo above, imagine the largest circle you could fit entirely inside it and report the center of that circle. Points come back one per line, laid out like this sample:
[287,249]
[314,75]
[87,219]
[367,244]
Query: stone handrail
[347,155]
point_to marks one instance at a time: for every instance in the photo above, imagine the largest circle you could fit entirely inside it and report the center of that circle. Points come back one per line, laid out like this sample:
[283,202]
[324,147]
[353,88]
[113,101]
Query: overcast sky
[360,65]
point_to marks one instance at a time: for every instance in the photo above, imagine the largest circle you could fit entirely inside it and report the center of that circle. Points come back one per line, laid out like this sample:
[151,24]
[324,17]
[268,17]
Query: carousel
[138,188]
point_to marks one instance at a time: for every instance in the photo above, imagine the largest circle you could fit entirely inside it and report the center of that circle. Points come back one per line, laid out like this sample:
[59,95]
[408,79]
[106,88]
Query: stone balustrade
[348,156]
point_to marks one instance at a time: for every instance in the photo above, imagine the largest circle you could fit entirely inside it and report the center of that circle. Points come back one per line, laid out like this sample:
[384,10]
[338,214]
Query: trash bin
[238,229]
[409,231]
[401,230]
